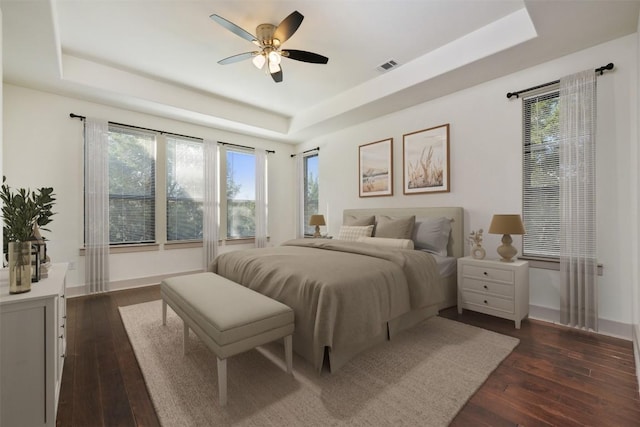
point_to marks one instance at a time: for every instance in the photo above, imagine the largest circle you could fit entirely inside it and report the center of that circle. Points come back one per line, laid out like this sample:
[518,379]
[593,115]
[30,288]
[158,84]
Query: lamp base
[505,250]
[317,233]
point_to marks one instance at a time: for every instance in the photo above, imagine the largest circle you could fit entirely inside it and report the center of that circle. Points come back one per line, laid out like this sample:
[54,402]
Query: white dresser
[32,350]
[494,287]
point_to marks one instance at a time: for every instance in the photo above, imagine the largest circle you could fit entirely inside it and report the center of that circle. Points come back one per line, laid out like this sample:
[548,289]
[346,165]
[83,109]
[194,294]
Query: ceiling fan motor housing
[264,34]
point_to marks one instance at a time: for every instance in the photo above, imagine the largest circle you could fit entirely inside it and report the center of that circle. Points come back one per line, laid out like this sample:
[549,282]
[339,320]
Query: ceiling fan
[269,39]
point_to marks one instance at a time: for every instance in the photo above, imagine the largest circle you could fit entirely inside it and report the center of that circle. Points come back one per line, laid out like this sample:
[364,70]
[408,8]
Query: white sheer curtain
[211,202]
[261,198]
[96,205]
[298,179]
[578,263]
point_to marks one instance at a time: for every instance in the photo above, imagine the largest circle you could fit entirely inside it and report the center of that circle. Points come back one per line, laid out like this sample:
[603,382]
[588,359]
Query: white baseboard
[636,351]
[77,291]
[607,327]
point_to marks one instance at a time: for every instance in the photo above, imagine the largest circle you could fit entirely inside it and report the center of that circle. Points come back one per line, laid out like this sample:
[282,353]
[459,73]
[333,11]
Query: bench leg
[222,380]
[288,352]
[185,337]
[164,312]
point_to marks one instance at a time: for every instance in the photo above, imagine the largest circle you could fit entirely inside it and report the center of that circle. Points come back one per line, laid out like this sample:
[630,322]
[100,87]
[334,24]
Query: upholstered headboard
[456,240]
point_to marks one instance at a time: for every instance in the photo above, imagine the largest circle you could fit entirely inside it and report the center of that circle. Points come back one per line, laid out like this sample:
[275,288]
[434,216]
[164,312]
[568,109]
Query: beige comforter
[342,293]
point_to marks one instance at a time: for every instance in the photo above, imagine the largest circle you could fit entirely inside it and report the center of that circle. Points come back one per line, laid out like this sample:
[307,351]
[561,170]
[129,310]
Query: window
[541,163]
[185,189]
[240,193]
[131,186]
[157,188]
[310,191]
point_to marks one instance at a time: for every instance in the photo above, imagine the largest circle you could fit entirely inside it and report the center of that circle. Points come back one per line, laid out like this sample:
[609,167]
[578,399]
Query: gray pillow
[432,235]
[394,228]
[359,220]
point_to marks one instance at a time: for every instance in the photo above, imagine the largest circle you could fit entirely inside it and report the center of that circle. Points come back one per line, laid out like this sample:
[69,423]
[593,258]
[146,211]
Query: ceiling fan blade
[277,76]
[288,26]
[237,58]
[235,29]
[304,56]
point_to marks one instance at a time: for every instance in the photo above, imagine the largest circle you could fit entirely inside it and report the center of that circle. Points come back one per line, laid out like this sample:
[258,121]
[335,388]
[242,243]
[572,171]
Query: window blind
[310,190]
[541,162]
[241,194]
[132,156]
[185,188]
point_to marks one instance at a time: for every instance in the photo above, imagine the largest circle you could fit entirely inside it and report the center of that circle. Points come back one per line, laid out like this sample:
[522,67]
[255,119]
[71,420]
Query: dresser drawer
[487,273]
[488,287]
[492,302]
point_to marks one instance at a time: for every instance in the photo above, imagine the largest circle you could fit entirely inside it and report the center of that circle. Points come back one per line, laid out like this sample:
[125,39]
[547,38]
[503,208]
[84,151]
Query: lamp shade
[316,220]
[506,224]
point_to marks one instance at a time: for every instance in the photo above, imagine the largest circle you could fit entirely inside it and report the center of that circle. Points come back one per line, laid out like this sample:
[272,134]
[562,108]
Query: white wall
[486,165]
[43,147]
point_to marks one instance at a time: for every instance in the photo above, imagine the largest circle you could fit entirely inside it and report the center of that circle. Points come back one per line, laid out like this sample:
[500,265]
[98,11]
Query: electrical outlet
[72,265]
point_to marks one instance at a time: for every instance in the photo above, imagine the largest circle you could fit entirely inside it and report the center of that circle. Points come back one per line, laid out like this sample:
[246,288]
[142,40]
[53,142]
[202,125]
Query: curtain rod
[83,118]
[600,70]
[242,146]
[308,151]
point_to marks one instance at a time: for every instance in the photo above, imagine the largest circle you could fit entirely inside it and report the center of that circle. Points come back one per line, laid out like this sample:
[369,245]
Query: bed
[349,295]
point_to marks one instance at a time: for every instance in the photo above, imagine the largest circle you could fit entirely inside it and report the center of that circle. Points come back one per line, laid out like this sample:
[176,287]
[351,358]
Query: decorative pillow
[389,243]
[394,228]
[432,235]
[359,220]
[352,233]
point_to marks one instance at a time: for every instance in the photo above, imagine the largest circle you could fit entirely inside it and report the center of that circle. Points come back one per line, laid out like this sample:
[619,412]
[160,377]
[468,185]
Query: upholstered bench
[228,317]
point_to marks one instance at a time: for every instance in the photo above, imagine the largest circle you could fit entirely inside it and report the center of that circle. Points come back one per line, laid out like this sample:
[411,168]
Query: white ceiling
[160,57]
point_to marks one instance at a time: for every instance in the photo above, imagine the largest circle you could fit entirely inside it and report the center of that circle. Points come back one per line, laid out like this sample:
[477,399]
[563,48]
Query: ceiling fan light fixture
[273,67]
[259,61]
[274,57]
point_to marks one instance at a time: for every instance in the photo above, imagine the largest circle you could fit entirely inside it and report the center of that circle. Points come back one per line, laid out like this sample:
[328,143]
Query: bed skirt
[334,360]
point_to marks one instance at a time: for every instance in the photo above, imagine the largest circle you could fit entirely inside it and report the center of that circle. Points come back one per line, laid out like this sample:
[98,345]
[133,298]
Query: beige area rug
[423,377]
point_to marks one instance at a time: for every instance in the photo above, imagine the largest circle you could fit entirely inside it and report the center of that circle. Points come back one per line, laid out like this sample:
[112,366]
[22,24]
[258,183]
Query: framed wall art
[376,168]
[426,160]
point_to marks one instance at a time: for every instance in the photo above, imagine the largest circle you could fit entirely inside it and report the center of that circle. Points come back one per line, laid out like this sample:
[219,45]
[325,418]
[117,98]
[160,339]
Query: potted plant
[25,213]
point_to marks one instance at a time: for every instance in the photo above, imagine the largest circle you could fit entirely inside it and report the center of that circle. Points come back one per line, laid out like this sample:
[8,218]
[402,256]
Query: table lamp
[317,220]
[506,224]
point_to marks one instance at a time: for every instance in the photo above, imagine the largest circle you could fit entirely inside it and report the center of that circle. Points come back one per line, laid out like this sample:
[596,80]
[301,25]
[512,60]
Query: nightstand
[494,287]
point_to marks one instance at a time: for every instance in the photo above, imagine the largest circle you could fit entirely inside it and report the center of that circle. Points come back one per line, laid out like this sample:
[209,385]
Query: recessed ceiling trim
[100,76]
[472,47]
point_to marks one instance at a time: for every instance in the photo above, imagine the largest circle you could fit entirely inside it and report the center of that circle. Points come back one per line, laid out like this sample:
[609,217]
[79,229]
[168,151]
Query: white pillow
[432,235]
[388,242]
[353,232]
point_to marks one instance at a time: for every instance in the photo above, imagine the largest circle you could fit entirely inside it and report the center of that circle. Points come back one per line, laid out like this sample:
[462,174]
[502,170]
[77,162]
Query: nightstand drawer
[483,300]
[488,273]
[488,287]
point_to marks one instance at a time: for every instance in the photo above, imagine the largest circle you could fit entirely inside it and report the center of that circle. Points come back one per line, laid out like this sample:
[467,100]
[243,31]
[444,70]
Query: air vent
[387,66]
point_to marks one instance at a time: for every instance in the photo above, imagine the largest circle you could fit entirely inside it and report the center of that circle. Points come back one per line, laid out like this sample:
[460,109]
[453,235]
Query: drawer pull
[485,301]
[485,273]
[61,336]
[64,317]
[486,287]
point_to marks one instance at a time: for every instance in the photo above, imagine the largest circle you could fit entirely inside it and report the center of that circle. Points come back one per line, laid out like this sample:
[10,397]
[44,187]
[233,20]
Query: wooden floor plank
[555,376]
[86,386]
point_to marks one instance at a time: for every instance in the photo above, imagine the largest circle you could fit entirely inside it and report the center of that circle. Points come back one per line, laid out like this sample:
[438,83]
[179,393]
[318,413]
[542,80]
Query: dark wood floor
[555,376]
